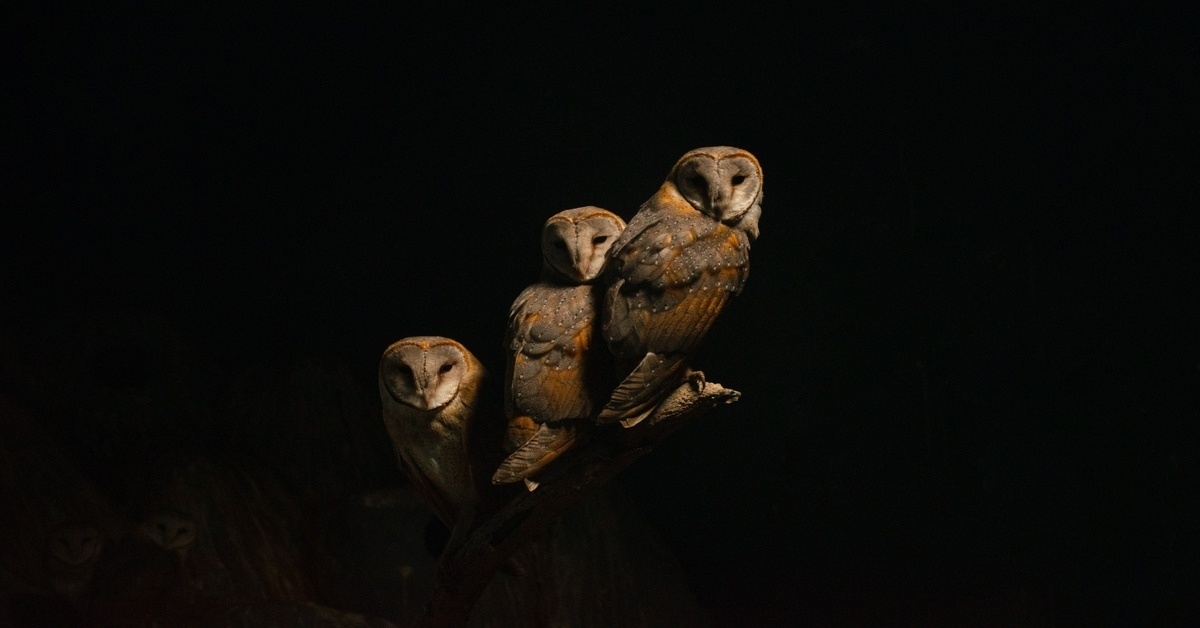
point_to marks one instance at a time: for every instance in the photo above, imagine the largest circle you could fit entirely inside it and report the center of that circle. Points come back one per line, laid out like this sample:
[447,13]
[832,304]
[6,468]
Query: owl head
[170,531]
[575,242]
[722,182]
[425,372]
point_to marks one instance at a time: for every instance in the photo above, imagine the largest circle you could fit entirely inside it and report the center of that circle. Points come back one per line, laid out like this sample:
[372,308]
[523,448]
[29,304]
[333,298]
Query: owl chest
[439,451]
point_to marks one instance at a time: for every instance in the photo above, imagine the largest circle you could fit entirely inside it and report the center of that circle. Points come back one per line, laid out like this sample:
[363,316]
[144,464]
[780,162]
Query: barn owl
[430,388]
[74,549]
[558,373]
[683,255]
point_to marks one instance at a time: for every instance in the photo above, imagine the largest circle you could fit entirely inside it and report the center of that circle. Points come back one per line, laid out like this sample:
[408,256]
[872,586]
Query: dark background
[969,348]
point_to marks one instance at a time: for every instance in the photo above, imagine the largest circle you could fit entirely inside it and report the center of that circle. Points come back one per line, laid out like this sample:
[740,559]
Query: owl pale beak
[577,258]
[427,395]
[719,203]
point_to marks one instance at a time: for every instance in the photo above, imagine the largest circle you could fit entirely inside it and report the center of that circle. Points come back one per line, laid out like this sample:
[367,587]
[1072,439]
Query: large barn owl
[430,389]
[558,372]
[74,549]
[683,255]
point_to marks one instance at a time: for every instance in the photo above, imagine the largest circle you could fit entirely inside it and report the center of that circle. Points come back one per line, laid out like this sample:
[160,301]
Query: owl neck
[748,222]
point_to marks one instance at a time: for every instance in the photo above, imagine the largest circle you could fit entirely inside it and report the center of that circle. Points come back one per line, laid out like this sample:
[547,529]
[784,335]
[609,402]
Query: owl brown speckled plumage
[430,389]
[674,268]
[558,372]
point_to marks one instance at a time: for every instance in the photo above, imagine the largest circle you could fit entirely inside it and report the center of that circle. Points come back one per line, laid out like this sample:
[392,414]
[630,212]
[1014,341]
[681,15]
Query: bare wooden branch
[462,577]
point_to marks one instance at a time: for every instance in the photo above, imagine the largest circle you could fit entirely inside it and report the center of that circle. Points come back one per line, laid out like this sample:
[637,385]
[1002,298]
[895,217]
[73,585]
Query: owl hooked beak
[719,202]
[577,262]
[430,396]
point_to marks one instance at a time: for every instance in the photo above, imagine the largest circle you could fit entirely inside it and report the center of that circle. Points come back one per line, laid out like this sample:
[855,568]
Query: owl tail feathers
[548,442]
[648,384]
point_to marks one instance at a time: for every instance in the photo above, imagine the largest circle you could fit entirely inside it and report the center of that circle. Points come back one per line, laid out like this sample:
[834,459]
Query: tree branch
[462,577]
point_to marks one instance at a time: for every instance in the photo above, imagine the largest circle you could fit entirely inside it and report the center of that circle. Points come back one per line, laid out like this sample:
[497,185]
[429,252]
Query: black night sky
[968,350]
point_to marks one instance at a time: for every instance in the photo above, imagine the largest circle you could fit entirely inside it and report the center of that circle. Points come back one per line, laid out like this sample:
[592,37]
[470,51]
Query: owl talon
[696,379]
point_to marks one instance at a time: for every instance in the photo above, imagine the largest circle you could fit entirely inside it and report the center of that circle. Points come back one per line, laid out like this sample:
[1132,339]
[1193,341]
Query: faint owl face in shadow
[173,532]
[73,550]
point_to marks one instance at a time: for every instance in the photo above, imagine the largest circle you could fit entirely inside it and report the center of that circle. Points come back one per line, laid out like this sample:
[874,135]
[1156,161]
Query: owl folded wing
[673,283]
[551,329]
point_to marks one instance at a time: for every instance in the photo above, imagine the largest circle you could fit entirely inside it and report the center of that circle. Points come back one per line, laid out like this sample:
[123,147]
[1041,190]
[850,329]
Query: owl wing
[669,282]
[551,329]
[547,443]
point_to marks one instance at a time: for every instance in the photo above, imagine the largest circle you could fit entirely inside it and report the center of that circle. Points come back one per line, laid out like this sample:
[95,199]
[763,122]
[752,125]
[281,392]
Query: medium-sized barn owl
[558,372]
[430,388]
[73,550]
[683,255]
[176,533]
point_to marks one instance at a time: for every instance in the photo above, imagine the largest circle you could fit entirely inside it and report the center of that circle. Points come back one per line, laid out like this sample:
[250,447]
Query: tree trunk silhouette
[461,578]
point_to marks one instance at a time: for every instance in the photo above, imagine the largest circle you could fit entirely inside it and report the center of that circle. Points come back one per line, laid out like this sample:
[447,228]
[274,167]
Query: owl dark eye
[737,180]
[600,239]
[446,368]
[560,245]
[700,183]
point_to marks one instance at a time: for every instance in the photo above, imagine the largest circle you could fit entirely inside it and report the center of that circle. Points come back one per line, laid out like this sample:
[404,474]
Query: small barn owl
[430,389]
[683,255]
[558,372]
[74,549]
